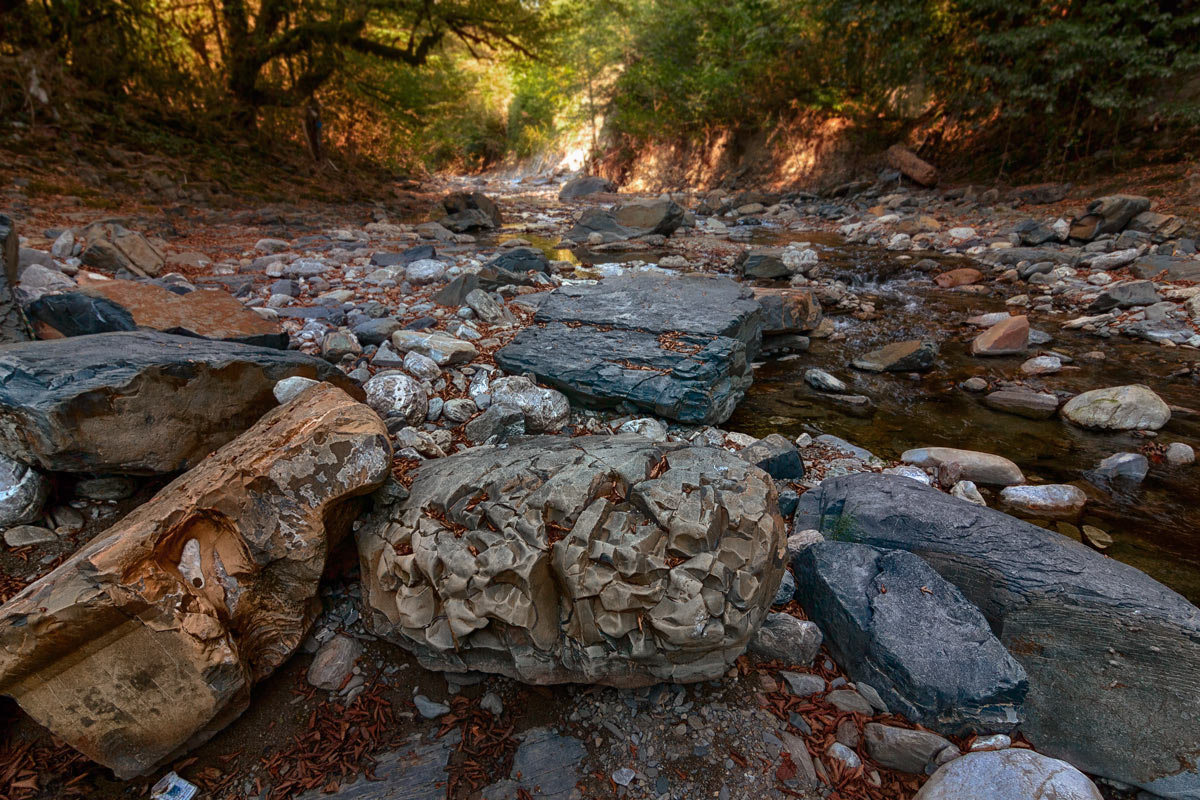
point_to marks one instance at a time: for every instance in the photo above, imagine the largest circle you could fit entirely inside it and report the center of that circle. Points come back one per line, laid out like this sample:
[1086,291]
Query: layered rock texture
[1111,654]
[679,346]
[147,641]
[600,559]
[137,402]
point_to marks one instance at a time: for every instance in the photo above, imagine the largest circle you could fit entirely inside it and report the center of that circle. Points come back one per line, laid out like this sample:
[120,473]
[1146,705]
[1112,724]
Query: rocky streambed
[565,495]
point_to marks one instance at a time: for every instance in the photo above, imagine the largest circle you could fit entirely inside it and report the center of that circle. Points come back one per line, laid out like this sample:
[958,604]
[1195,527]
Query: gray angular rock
[1110,653]
[782,637]
[520,259]
[679,346]
[496,420]
[333,662]
[443,348]
[616,566]
[545,410]
[84,404]
[467,211]
[585,185]
[1125,295]
[777,456]
[1131,467]
[397,395]
[1108,215]
[894,623]
[1014,774]
[914,356]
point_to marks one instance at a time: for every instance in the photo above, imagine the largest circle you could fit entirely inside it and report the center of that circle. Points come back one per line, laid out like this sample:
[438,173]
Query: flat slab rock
[679,346]
[1111,654]
[900,627]
[87,404]
[206,313]
[598,559]
[174,613]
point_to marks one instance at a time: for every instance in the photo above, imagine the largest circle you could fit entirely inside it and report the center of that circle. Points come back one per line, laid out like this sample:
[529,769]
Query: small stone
[1042,365]
[624,776]
[845,755]
[289,388]
[967,490]
[822,381]
[26,535]
[23,492]
[1180,454]
[850,700]
[793,641]
[1049,501]
[105,487]
[1131,467]
[428,708]
[975,384]
[421,366]
[492,703]
[397,395]
[1096,537]
[803,684]
[903,749]
[997,741]
[786,591]
[333,663]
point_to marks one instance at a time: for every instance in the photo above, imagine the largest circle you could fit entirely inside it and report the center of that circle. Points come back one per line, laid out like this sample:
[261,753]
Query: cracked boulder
[902,628]
[147,641]
[138,402]
[600,559]
[1111,654]
[677,346]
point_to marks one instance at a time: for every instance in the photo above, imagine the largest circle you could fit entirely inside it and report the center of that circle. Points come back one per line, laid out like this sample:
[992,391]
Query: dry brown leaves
[485,751]
[55,770]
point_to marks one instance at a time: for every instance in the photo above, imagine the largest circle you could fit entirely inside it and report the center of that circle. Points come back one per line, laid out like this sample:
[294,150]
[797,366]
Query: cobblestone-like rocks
[85,404]
[1110,653]
[1118,408]
[174,613]
[897,625]
[679,346]
[611,560]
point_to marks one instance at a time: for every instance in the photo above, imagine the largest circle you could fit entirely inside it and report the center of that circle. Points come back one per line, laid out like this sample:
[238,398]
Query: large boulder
[913,166]
[1108,215]
[23,492]
[137,402]
[467,211]
[1013,774]
[970,464]
[148,640]
[206,313]
[897,625]
[599,559]
[12,326]
[585,185]
[629,221]
[1118,408]
[677,345]
[788,310]
[1111,654]
[114,248]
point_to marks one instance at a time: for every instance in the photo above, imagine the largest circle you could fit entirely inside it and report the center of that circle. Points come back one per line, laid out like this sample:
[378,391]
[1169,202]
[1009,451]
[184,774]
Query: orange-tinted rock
[148,640]
[912,165]
[210,313]
[1004,338]
[958,277]
[788,310]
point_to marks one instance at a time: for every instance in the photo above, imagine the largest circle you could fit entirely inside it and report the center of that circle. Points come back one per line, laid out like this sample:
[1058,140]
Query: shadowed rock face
[146,642]
[1111,654]
[600,559]
[137,402]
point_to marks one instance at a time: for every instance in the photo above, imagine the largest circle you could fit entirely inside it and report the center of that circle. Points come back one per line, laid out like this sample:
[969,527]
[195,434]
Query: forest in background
[465,85]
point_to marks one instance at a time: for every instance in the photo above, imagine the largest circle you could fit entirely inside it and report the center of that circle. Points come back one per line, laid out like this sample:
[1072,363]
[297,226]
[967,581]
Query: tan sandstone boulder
[598,559]
[147,641]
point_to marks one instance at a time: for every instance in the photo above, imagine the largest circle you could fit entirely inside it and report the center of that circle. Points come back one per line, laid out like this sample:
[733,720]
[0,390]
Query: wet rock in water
[545,410]
[462,212]
[1110,653]
[679,346]
[112,247]
[1180,454]
[1004,338]
[787,311]
[333,662]
[1023,402]
[896,624]
[443,348]
[984,468]
[23,492]
[1048,501]
[397,395]
[85,404]
[901,748]
[766,263]
[1131,467]
[1118,408]
[1042,365]
[520,259]
[616,568]
[1014,774]
[1125,295]
[98,305]
[660,216]
[782,637]
[975,384]
[964,276]
[913,356]
[1108,215]
[822,381]
[585,185]
[173,614]
[775,455]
